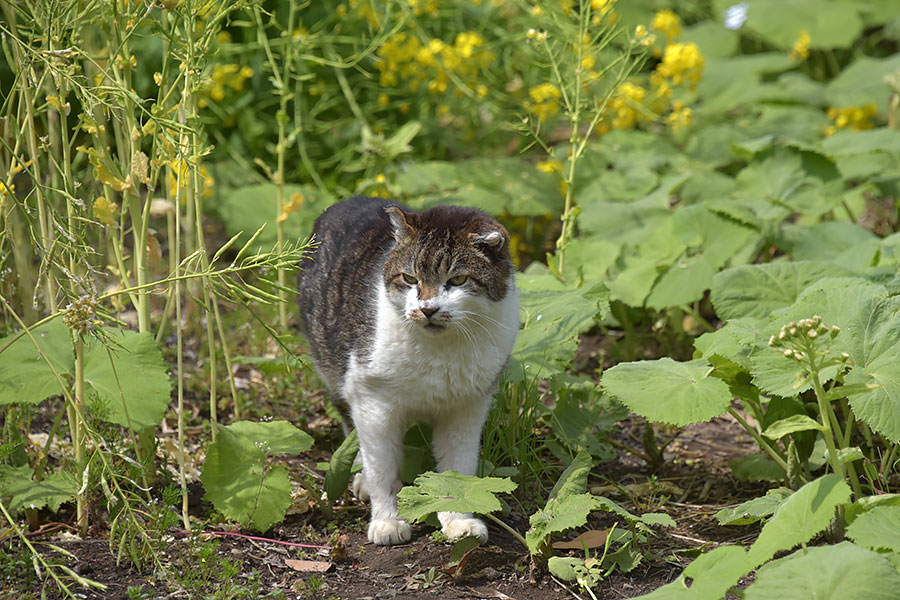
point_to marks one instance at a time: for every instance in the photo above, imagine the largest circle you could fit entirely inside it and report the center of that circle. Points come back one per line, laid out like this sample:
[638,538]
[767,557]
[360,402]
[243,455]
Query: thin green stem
[508,529]
[772,452]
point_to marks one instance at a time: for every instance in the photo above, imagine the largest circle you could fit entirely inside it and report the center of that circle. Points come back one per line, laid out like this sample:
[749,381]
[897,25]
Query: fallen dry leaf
[595,538]
[308,566]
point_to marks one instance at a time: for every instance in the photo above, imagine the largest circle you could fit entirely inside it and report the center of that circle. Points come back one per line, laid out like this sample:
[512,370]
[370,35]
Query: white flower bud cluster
[81,315]
[801,337]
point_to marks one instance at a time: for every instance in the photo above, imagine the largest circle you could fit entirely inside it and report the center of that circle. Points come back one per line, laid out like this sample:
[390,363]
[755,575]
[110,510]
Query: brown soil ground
[692,485]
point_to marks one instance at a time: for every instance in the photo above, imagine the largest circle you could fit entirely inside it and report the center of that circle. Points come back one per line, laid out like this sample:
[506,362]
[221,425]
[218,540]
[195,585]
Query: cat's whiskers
[486,318]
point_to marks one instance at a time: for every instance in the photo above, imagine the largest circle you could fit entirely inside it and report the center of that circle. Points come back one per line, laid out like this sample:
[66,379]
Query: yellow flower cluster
[854,117]
[225,76]
[680,117]
[682,62]
[293,205]
[405,59]
[627,106]
[667,23]
[801,46]
[544,101]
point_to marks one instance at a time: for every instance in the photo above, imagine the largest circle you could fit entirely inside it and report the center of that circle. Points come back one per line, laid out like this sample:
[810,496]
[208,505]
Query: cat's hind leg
[456,441]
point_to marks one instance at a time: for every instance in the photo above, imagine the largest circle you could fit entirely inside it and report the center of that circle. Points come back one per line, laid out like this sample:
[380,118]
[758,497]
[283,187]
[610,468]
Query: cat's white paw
[459,528]
[359,489]
[387,532]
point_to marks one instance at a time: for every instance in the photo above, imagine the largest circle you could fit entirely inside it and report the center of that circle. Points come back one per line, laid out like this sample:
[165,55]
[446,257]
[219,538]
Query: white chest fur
[420,374]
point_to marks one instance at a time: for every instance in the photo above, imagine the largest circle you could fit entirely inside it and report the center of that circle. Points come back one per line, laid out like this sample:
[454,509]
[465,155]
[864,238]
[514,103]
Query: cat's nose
[428,312]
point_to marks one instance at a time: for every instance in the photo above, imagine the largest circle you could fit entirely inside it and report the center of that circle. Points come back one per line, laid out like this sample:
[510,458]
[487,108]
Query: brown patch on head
[446,241]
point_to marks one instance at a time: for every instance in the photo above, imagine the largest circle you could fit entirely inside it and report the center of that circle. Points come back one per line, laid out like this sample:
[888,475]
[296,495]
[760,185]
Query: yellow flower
[546,97]
[856,118]
[626,104]
[549,166]
[667,22]
[682,62]
[680,117]
[105,210]
[293,205]
[205,184]
[801,46]
[536,11]
[383,99]
[642,37]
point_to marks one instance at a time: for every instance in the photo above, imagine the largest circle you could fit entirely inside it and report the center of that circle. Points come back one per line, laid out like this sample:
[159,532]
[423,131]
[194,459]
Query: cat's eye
[410,279]
[457,280]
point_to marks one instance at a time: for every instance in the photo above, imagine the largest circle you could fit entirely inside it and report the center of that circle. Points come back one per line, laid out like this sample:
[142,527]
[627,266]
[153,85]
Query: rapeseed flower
[627,104]
[667,23]
[800,48]
[682,62]
[856,118]
[680,117]
[546,100]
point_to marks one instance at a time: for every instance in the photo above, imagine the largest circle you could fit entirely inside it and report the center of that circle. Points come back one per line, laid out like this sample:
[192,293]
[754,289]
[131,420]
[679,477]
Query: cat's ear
[399,221]
[494,239]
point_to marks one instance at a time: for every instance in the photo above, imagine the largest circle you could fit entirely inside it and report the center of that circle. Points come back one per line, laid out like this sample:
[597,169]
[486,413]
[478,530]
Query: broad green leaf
[710,241]
[757,290]
[552,322]
[877,529]
[791,424]
[869,320]
[17,485]
[450,491]
[273,436]
[840,572]
[558,515]
[496,185]
[780,23]
[711,575]
[867,503]
[726,81]
[564,567]
[578,414]
[862,82]
[340,467]
[667,391]
[756,467]
[238,479]
[713,39]
[25,377]
[240,211]
[131,379]
[848,141]
[846,244]
[754,510]
[733,341]
[574,479]
[805,514]
[653,518]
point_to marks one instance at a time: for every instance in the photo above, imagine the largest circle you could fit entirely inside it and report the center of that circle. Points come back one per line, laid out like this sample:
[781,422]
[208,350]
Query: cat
[410,316]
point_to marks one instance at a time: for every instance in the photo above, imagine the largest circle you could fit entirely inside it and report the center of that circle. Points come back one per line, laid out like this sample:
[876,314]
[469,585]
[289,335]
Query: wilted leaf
[595,538]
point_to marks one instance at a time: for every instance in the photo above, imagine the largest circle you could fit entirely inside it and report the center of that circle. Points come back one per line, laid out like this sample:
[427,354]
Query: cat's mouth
[434,327]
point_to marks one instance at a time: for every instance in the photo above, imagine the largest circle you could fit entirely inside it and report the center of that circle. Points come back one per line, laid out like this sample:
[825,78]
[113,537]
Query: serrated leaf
[558,515]
[662,519]
[238,480]
[867,503]
[757,290]
[17,485]
[792,424]
[338,475]
[552,322]
[131,379]
[273,436]
[806,513]
[843,571]
[711,575]
[564,567]
[754,510]
[877,529]
[574,479]
[668,391]
[450,491]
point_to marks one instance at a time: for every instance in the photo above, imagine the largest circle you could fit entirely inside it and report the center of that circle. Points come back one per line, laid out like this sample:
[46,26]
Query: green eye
[457,280]
[410,279]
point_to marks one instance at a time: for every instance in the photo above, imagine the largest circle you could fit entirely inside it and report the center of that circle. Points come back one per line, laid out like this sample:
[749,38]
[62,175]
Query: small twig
[254,537]
[565,587]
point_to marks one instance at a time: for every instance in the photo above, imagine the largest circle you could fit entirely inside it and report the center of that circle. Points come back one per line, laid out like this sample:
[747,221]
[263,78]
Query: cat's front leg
[381,447]
[456,440]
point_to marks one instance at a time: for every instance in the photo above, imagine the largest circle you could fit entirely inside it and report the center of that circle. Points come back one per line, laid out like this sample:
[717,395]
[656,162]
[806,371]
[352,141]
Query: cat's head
[448,263]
